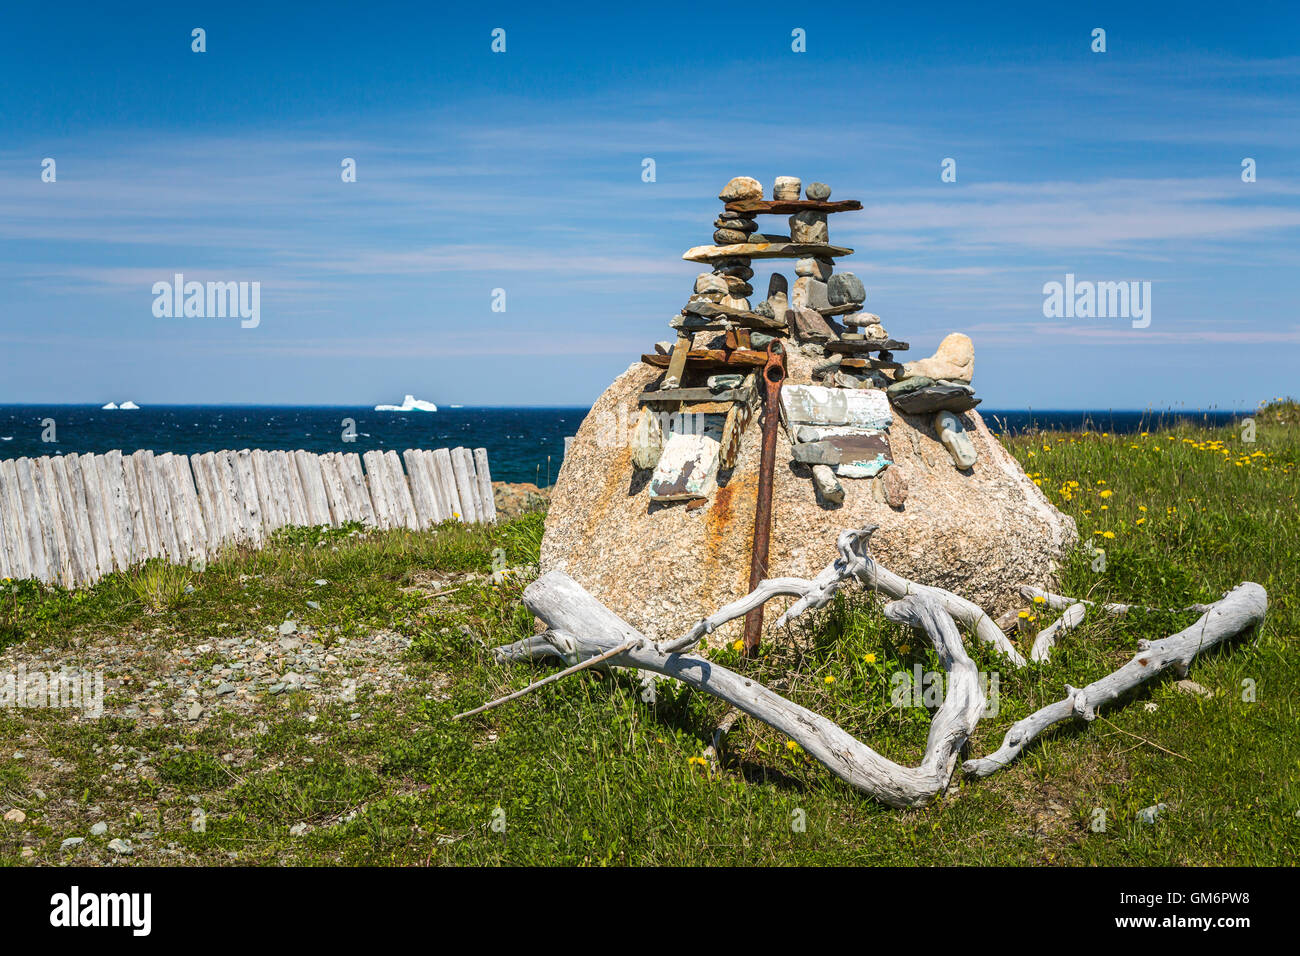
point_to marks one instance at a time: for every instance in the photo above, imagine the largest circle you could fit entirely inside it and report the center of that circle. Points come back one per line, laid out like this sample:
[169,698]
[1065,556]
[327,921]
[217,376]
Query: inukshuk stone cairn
[690,424]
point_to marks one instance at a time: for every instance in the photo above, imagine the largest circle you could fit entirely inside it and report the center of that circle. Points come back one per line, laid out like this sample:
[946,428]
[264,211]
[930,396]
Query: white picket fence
[70,519]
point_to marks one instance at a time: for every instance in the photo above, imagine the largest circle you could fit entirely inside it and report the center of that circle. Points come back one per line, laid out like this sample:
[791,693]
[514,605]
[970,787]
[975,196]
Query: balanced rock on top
[742,187]
[954,361]
[786,188]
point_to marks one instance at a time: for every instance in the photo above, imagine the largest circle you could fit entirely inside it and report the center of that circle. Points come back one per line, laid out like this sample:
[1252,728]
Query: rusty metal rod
[773,376]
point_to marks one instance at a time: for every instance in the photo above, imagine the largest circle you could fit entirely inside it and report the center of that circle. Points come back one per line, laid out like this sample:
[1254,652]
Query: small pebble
[99,829]
[15,816]
[120,846]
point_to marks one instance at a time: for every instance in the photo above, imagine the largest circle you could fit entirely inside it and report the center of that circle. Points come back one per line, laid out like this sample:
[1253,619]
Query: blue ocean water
[524,444]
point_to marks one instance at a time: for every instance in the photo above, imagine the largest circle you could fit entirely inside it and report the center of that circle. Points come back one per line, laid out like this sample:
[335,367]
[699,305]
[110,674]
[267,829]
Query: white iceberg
[111,406]
[126,406]
[409,404]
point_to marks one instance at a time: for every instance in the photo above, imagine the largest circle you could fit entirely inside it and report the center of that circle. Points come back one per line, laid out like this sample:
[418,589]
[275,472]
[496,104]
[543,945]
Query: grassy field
[230,738]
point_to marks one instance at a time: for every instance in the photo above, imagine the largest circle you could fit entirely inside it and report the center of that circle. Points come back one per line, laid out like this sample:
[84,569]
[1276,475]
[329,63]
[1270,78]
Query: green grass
[586,772]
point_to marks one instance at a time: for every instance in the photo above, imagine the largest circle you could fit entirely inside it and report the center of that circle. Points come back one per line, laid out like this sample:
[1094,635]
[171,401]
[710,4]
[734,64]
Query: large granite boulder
[662,567]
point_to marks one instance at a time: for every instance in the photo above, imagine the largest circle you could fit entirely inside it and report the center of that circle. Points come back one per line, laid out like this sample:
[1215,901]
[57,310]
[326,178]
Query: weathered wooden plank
[13,513]
[688,467]
[145,542]
[822,432]
[29,535]
[229,489]
[443,483]
[88,506]
[695,395]
[266,494]
[277,477]
[486,499]
[223,513]
[159,475]
[186,498]
[76,525]
[249,497]
[400,491]
[39,544]
[447,482]
[734,425]
[420,493]
[7,560]
[712,360]
[472,471]
[52,513]
[676,362]
[340,512]
[788,207]
[313,485]
[377,489]
[819,405]
[865,451]
[355,485]
[103,511]
[297,506]
[441,501]
[178,531]
[155,524]
[203,491]
[118,506]
[465,486]
[436,489]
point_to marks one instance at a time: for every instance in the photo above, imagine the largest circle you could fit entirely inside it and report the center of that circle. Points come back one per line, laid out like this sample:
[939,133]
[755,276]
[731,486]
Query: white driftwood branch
[594,631]
[1048,636]
[853,562]
[1239,609]
[589,662]
[1059,602]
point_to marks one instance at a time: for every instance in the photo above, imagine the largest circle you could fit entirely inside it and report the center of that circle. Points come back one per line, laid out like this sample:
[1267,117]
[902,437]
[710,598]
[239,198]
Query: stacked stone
[818,287]
[728,283]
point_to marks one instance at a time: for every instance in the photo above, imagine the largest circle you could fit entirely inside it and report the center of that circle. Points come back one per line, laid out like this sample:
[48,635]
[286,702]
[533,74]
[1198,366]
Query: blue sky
[522,171]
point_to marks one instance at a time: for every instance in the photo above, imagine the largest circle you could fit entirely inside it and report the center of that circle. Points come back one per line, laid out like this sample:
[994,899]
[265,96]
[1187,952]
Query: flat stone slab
[765,250]
[819,405]
[849,346]
[860,450]
[935,398]
[748,320]
[788,207]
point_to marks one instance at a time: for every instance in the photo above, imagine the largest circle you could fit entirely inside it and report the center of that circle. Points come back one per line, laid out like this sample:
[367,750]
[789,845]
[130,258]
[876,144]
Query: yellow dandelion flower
[828,679]
[869,658]
[738,646]
[1108,534]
